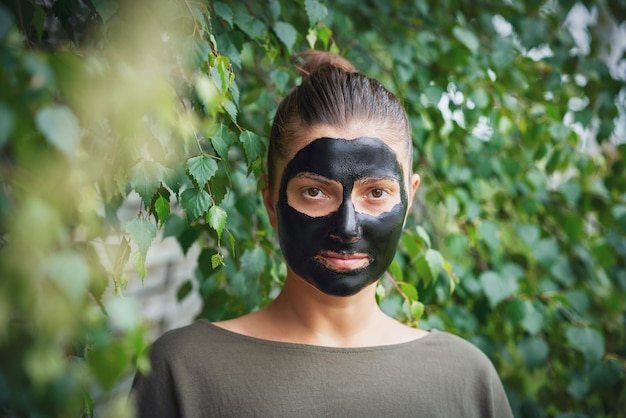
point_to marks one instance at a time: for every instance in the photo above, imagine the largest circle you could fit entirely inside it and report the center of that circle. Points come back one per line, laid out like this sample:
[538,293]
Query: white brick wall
[166,269]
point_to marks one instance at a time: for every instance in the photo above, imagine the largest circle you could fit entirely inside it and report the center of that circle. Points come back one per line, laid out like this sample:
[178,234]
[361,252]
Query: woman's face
[340,207]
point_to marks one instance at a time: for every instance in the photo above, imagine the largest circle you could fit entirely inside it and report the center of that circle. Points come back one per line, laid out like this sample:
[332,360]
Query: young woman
[340,187]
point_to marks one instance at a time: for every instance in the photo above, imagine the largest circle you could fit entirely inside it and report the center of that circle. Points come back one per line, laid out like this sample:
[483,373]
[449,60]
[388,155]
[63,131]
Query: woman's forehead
[351,131]
[346,160]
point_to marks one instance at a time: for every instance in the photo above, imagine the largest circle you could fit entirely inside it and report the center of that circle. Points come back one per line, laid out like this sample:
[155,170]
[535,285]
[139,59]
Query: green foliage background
[518,237]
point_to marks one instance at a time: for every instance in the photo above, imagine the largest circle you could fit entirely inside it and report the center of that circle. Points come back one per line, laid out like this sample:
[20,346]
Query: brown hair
[333,93]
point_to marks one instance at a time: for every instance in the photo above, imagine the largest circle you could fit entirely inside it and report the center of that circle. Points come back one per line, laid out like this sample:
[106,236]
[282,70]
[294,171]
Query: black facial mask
[344,231]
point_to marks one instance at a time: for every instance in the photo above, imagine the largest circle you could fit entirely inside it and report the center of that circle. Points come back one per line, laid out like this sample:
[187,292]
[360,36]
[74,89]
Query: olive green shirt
[202,370]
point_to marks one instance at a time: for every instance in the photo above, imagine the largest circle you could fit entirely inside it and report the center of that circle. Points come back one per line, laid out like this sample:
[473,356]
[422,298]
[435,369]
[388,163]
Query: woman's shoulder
[457,350]
[450,340]
[187,338]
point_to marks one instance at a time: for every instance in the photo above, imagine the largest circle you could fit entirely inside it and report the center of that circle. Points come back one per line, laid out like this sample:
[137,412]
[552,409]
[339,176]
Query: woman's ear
[270,207]
[415,183]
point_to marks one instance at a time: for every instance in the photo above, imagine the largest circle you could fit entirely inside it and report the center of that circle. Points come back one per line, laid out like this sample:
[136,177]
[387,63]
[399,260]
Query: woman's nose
[347,228]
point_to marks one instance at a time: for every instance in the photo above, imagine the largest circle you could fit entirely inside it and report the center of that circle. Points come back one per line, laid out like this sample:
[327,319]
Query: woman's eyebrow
[369,180]
[313,176]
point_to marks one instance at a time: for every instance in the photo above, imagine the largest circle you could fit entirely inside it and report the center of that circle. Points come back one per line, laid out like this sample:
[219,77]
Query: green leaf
[222,140]
[497,288]
[618,212]
[490,234]
[142,232]
[559,131]
[231,243]
[174,226]
[528,233]
[578,299]
[7,123]
[586,340]
[195,203]
[533,351]
[429,265]
[421,232]
[162,209]
[467,38]
[435,261]
[412,244]
[324,34]
[512,270]
[184,290]
[462,318]
[60,127]
[119,256]
[280,78]
[252,27]
[145,178]
[311,38]
[253,262]
[417,310]
[231,109]
[234,92]
[200,51]
[574,226]
[217,260]
[230,44]
[108,364]
[286,33]
[219,186]
[408,290]
[605,374]
[395,270]
[534,31]
[224,12]
[208,95]
[248,205]
[452,206]
[515,311]
[205,265]
[480,98]
[220,73]
[233,88]
[217,220]
[315,11]
[421,265]
[571,191]
[546,251]
[201,169]
[533,319]
[274,8]
[252,145]
[578,388]
[562,271]
[433,94]
[457,244]
[139,264]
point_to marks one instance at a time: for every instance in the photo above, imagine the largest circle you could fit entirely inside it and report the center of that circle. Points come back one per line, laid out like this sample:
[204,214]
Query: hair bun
[314,60]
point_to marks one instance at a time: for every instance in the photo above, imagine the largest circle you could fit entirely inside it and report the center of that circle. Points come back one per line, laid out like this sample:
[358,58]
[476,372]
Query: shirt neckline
[312,347]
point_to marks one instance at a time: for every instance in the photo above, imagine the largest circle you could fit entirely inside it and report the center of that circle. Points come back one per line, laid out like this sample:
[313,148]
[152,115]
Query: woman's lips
[342,262]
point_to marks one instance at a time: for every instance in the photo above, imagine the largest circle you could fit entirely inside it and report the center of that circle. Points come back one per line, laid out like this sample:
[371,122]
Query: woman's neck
[304,315]
[313,317]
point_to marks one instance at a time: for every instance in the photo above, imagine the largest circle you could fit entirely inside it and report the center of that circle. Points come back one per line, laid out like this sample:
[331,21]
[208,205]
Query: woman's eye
[313,192]
[377,193]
